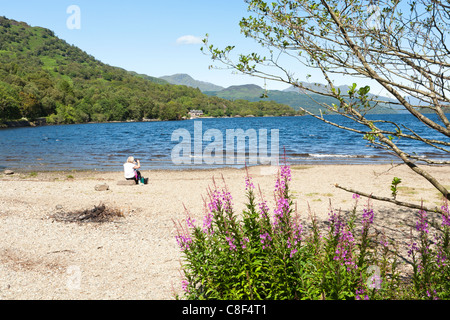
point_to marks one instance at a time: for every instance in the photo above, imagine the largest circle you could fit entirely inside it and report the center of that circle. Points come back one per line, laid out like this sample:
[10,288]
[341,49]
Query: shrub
[430,255]
[273,256]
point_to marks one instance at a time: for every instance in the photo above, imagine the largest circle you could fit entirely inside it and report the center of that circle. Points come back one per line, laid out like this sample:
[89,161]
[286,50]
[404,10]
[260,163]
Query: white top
[128,169]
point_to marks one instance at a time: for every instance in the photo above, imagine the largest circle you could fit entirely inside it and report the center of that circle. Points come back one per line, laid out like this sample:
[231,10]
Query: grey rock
[101,187]
[9,172]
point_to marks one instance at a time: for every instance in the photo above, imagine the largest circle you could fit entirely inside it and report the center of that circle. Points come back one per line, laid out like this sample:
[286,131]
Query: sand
[136,256]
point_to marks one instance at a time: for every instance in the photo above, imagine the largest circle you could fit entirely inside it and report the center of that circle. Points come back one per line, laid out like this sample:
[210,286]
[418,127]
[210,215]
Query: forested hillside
[44,76]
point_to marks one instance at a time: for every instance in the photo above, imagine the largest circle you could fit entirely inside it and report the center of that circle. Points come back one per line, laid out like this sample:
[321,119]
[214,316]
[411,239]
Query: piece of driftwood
[98,214]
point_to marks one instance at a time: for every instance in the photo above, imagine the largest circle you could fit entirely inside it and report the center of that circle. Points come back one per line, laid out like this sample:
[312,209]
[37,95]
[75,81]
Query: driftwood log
[99,213]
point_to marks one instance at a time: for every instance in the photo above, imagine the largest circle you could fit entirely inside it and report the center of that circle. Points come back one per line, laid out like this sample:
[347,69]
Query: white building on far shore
[195,113]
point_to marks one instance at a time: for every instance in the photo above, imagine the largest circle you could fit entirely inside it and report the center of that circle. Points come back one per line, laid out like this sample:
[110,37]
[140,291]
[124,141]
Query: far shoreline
[42,122]
[296,166]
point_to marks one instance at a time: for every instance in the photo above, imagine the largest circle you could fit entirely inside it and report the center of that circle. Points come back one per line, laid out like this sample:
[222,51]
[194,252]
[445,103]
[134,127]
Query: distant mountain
[187,80]
[247,92]
[424,105]
[290,96]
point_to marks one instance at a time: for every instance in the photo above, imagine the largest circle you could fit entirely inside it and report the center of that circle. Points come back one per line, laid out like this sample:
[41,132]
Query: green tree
[9,108]
[117,112]
[29,105]
[172,111]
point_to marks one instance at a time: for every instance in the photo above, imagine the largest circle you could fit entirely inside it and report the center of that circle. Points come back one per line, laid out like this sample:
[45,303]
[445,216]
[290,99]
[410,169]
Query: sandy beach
[136,256]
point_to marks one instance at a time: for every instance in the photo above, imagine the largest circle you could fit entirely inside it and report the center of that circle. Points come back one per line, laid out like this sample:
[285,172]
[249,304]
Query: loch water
[106,146]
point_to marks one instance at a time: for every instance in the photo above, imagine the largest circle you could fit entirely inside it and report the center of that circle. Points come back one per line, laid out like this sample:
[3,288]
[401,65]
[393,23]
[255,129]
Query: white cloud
[189,39]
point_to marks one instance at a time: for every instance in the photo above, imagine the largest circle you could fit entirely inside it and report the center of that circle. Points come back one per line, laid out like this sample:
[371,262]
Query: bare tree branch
[400,203]
[406,53]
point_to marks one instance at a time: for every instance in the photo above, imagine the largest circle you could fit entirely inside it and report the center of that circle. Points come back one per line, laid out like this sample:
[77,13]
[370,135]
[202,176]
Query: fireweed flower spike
[441,255]
[295,239]
[190,222]
[263,209]
[248,180]
[384,243]
[367,218]
[281,209]
[422,224]
[214,203]
[244,242]
[220,200]
[286,173]
[248,183]
[184,285]
[360,295]
[265,240]
[432,296]
[344,250]
[207,227]
[293,251]
[412,248]
[183,239]
[446,215]
[230,243]
[183,235]
[283,178]
[336,223]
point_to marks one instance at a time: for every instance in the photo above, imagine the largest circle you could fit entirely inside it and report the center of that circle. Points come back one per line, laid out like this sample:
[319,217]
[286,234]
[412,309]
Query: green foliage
[258,256]
[430,255]
[43,76]
[395,182]
[9,107]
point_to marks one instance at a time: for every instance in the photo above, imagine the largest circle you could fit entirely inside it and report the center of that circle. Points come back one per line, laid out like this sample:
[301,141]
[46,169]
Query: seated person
[131,171]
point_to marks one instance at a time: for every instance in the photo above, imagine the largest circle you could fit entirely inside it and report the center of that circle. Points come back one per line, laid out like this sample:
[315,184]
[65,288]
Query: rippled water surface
[106,146]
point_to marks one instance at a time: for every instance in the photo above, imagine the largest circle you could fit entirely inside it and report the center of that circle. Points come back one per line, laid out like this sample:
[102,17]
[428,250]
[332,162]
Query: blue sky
[156,38]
